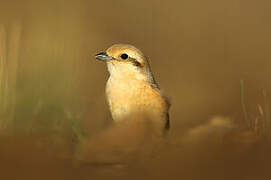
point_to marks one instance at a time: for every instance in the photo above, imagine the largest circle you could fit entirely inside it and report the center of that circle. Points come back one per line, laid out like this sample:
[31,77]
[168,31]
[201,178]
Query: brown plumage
[131,87]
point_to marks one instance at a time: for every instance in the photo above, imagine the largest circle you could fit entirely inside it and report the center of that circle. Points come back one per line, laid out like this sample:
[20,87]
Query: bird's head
[126,60]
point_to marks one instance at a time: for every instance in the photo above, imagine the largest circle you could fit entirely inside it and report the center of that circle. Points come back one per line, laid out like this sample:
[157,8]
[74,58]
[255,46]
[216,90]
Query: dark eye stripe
[135,62]
[124,56]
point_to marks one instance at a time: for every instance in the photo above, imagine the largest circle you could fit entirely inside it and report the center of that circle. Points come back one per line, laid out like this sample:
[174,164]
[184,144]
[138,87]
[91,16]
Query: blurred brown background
[199,52]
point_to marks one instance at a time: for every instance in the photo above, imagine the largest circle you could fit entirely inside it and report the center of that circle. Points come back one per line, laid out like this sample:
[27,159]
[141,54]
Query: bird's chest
[126,96]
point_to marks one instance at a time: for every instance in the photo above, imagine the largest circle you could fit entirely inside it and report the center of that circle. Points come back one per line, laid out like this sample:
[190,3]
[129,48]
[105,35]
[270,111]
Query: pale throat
[120,72]
[125,81]
[126,89]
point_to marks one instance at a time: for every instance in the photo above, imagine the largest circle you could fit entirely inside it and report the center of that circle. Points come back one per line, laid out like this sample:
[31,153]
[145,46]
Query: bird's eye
[124,56]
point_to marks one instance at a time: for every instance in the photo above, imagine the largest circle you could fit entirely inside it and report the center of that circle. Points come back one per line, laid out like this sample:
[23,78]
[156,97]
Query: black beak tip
[103,56]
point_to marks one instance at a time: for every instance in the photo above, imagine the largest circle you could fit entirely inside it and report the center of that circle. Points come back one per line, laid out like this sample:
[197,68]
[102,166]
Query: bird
[131,88]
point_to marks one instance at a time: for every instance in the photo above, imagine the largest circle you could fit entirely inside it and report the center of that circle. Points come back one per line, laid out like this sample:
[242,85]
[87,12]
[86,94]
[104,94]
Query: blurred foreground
[215,150]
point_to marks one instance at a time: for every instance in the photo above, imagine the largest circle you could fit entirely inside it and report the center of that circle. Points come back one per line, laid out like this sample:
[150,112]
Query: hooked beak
[103,56]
